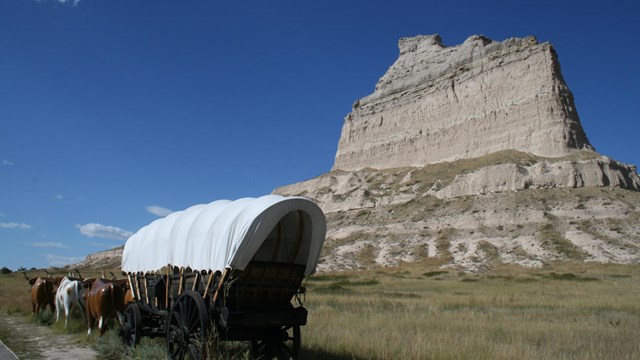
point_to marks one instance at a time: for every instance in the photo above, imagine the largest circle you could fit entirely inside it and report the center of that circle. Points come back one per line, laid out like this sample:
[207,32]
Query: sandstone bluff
[469,156]
[439,103]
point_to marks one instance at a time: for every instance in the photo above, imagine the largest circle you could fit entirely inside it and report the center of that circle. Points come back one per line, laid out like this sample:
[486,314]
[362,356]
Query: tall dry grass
[577,311]
[417,311]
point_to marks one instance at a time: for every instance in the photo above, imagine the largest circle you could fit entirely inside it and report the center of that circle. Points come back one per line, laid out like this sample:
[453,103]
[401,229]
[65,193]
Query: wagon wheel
[279,344]
[131,331]
[187,327]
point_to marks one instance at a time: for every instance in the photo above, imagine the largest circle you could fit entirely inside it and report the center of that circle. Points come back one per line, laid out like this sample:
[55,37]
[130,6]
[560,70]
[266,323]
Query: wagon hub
[124,331]
[180,337]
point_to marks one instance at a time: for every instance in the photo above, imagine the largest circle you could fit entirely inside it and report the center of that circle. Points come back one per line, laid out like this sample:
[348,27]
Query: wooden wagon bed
[250,293]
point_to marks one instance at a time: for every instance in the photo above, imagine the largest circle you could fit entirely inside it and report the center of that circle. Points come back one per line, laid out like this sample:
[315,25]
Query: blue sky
[114,112]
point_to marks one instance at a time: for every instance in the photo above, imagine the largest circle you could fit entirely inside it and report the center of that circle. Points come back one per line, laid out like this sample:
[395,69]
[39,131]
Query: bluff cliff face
[470,156]
[439,103]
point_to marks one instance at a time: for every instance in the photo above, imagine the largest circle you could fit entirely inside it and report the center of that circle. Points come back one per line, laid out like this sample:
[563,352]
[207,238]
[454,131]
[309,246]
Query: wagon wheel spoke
[174,328]
[180,315]
[131,330]
[186,330]
[174,353]
[194,326]
[194,352]
[193,321]
[284,347]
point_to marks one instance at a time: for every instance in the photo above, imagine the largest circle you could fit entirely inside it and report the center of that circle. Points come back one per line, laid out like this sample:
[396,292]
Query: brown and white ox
[70,294]
[104,300]
[43,292]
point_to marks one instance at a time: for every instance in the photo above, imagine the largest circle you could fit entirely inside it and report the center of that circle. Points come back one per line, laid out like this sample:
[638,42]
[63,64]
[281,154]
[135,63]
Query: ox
[42,292]
[70,293]
[104,300]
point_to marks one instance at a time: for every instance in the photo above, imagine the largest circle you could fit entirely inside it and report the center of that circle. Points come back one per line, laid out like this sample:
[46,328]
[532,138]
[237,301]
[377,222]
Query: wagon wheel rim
[131,332]
[187,327]
[284,345]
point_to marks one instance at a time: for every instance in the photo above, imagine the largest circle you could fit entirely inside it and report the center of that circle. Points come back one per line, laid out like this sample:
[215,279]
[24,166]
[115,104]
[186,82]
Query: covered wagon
[234,267]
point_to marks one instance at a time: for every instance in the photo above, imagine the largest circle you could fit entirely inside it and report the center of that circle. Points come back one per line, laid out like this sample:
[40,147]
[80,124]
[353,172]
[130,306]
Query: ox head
[40,279]
[31,280]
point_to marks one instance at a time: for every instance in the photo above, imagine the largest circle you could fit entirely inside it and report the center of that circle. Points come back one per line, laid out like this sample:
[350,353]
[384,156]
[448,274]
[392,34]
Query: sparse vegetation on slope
[474,233]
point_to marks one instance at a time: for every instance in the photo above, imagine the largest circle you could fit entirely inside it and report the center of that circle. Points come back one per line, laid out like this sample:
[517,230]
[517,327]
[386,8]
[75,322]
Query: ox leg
[120,318]
[67,312]
[89,325]
[81,309]
[89,320]
[58,309]
[101,325]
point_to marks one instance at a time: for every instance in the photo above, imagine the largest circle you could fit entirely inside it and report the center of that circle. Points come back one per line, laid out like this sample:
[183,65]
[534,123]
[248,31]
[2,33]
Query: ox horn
[103,274]
[113,275]
[48,273]
[78,271]
[25,275]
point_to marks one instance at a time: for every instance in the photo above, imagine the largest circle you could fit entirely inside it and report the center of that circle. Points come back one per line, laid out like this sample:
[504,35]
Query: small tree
[5,270]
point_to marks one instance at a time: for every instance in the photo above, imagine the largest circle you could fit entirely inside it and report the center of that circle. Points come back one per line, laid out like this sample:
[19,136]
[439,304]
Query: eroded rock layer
[472,214]
[439,103]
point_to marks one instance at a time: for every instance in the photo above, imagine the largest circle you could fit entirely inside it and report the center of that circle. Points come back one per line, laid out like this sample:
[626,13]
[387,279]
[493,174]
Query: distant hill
[107,259]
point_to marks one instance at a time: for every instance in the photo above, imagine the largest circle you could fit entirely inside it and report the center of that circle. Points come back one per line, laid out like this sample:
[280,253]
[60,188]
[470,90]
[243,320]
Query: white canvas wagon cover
[229,234]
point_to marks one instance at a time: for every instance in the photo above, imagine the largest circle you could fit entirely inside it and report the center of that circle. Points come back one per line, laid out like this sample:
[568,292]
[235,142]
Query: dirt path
[42,343]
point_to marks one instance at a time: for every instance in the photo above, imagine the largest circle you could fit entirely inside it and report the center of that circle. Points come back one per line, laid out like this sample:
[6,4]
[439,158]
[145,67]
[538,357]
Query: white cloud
[158,210]
[72,2]
[104,231]
[7,163]
[59,197]
[50,245]
[12,225]
[58,260]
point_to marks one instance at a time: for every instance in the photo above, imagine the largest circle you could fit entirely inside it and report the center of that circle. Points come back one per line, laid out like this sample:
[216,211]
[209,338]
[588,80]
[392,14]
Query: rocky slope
[506,207]
[469,156]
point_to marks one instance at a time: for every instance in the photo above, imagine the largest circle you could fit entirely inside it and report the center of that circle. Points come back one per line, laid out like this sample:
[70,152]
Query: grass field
[563,311]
